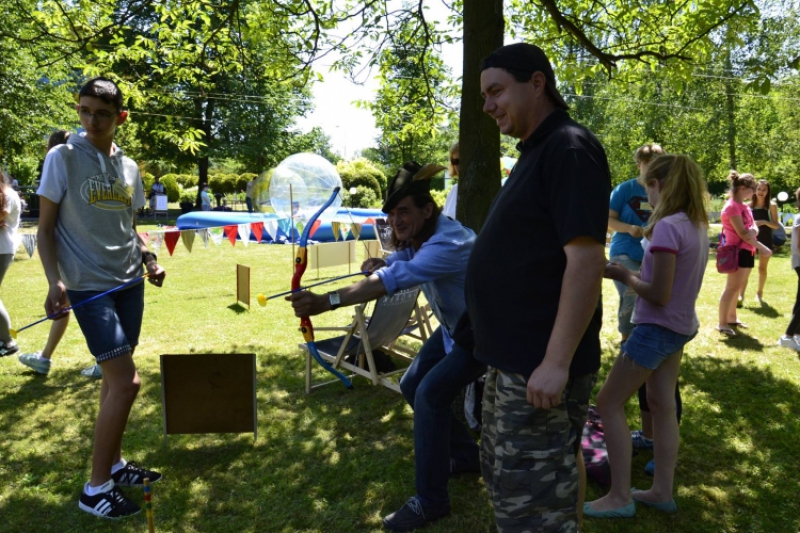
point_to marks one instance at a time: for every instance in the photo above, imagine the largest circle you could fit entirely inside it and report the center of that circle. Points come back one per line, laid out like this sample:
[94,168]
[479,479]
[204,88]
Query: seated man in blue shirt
[432,252]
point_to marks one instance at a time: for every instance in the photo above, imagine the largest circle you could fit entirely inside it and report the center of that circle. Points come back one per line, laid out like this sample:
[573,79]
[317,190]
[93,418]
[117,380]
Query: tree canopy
[225,78]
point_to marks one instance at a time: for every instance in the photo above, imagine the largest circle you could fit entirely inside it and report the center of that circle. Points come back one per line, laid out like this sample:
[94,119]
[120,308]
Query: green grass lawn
[338,460]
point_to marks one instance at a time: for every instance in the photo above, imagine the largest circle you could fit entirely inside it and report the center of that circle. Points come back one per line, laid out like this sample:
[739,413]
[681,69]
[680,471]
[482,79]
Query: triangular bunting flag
[203,236]
[244,233]
[171,238]
[345,228]
[231,231]
[271,227]
[187,236]
[285,225]
[156,238]
[216,235]
[29,242]
[336,228]
[356,229]
[257,228]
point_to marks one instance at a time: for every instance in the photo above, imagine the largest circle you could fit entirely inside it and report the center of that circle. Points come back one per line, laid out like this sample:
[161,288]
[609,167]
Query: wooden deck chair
[389,318]
[418,327]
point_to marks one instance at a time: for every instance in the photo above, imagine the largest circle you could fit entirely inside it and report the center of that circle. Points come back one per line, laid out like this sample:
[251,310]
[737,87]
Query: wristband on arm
[146,257]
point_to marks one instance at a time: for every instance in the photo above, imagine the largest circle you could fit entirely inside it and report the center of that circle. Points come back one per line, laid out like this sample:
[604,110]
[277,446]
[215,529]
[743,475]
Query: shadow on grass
[765,310]
[737,460]
[739,456]
[238,308]
[319,464]
[333,461]
[742,341]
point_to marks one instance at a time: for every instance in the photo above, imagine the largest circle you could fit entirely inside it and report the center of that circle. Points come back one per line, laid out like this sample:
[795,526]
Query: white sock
[119,466]
[94,491]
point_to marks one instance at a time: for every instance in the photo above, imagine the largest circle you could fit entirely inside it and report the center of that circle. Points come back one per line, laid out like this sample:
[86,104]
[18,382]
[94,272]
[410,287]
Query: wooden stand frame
[419,328]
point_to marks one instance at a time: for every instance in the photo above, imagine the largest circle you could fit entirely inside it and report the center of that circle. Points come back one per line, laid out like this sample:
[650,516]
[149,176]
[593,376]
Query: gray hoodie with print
[96,244]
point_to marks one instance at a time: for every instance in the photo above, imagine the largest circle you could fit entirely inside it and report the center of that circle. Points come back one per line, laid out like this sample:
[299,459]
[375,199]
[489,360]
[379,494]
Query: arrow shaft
[93,298]
[364,273]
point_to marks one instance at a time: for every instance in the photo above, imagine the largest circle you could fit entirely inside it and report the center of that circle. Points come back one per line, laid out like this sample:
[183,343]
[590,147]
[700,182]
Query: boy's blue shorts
[111,324]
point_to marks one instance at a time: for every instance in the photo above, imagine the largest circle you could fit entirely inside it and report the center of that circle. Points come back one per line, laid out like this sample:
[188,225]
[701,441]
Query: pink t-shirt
[732,209]
[677,235]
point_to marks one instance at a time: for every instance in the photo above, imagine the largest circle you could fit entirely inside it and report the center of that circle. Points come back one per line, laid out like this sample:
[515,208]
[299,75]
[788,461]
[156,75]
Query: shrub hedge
[362,173]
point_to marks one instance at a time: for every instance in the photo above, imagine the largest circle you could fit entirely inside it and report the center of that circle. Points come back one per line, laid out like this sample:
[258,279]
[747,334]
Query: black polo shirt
[559,190]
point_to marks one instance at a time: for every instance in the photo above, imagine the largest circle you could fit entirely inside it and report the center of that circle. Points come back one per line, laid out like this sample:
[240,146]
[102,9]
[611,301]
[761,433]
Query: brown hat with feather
[411,178]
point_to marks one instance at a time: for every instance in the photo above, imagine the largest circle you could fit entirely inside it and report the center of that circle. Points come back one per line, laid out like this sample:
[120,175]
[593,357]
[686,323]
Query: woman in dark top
[765,214]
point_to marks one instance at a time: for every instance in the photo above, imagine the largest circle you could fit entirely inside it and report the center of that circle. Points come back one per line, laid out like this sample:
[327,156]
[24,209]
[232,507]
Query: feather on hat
[411,178]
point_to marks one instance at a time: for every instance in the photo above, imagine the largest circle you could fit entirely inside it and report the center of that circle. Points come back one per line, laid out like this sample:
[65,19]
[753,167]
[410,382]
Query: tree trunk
[204,110]
[479,137]
[730,110]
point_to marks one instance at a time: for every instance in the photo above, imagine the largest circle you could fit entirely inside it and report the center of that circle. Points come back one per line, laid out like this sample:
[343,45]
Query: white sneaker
[36,362]
[94,372]
[789,342]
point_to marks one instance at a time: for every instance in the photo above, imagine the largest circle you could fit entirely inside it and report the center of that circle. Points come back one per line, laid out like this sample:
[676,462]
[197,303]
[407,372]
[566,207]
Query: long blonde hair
[681,188]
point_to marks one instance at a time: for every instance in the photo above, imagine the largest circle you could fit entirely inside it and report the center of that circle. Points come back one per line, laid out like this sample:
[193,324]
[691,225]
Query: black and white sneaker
[112,504]
[131,475]
[8,348]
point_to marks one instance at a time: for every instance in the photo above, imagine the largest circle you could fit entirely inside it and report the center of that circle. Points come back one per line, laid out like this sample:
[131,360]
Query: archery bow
[300,263]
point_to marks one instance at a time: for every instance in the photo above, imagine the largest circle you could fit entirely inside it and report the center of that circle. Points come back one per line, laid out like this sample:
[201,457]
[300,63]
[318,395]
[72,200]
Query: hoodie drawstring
[102,162]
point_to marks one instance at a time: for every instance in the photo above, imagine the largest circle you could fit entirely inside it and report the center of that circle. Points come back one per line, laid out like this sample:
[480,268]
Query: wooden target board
[209,393]
[243,284]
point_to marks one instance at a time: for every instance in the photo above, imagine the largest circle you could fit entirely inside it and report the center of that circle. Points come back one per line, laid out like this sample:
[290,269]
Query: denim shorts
[650,344]
[111,324]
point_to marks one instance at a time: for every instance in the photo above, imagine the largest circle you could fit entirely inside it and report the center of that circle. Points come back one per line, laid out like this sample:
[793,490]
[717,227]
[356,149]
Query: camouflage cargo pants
[528,454]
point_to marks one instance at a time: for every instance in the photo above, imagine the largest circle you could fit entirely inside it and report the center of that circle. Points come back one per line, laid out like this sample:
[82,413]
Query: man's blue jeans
[430,385]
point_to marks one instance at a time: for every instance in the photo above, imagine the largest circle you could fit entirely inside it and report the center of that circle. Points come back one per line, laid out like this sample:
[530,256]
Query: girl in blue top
[628,213]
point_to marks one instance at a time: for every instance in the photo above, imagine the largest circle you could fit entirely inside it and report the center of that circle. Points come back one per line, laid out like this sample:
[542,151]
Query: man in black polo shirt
[533,295]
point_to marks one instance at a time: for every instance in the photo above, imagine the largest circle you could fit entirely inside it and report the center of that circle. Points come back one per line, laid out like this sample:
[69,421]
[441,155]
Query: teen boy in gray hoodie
[88,243]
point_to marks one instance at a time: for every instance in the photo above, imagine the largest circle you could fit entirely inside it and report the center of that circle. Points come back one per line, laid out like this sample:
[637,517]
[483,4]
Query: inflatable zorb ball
[301,184]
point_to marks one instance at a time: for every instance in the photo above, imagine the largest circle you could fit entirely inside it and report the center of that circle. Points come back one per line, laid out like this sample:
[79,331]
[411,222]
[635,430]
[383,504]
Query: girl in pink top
[672,272]
[738,229]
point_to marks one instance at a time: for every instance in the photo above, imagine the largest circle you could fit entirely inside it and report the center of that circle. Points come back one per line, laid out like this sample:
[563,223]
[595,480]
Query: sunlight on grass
[337,460]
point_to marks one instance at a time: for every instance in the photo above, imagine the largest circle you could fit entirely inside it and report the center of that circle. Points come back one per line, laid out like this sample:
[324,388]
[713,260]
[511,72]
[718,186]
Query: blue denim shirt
[439,268]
